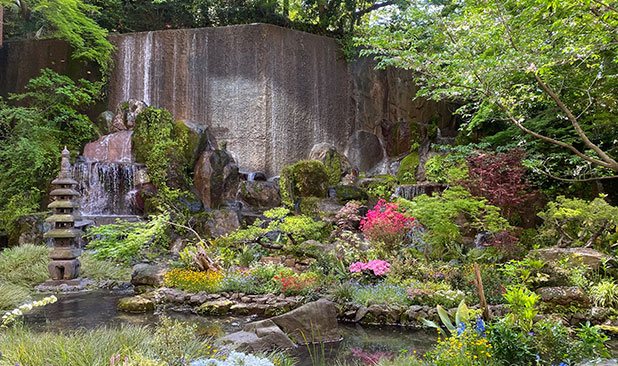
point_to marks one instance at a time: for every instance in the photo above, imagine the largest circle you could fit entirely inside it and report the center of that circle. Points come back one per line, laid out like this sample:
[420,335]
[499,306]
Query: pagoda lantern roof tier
[63,204]
[64,192]
[63,218]
[67,233]
[64,181]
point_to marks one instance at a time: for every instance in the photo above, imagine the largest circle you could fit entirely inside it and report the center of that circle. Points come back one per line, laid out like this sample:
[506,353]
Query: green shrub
[439,213]
[605,293]
[123,241]
[576,222]
[447,169]
[13,296]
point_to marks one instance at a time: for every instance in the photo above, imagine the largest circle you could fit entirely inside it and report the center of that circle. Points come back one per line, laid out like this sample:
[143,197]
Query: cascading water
[107,189]
[409,191]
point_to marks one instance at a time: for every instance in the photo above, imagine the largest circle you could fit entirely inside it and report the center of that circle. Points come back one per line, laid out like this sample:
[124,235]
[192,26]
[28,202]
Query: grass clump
[25,267]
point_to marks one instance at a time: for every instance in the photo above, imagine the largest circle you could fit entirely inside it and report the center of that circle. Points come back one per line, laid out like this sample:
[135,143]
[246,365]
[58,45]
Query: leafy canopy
[511,59]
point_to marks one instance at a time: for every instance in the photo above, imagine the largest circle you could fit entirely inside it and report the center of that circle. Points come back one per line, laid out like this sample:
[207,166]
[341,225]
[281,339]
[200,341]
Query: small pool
[94,309]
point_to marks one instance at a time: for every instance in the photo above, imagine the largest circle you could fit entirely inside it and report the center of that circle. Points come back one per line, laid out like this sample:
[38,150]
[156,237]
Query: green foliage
[124,241]
[462,316]
[25,267]
[19,205]
[291,231]
[447,169]
[510,345]
[70,20]
[96,347]
[174,342]
[383,188]
[512,60]
[522,303]
[577,222]
[165,149]
[526,271]
[605,293]
[32,133]
[438,214]
[407,169]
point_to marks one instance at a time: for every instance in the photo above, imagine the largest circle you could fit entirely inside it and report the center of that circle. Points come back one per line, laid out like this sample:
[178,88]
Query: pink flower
[378,266]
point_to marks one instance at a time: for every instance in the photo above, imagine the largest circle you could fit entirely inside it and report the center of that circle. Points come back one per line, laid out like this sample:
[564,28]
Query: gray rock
[258,336]
[223,222]
[259,194]
[316,320]
[564,296]
[104,122]
[216,177]
[588,256]
[336,163]
[364,150]
[148,274]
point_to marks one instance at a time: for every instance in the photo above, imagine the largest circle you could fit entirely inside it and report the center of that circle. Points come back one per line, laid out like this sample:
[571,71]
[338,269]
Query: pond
[94,309]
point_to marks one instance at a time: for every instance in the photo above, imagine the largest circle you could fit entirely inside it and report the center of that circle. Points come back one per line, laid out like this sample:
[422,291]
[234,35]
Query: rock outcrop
[311,323]
[148,275]
[112,148]
[216,177]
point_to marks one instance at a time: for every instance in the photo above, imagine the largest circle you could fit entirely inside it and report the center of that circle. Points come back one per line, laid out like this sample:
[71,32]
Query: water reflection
[95,309]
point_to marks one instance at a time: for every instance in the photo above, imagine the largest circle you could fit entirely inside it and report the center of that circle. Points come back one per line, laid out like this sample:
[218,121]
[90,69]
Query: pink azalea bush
[386,224]
[378,266]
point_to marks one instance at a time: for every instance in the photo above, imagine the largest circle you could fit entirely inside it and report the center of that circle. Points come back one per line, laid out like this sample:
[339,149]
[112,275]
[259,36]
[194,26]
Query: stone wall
[270,92]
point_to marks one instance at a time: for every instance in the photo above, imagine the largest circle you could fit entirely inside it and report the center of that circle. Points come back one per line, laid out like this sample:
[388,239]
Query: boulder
[406,173]
[126,113]
[258,336]
[223,222]
[307,178]
[316,321]
[346,193]
[564,296]
[337,164]
[216,307]
[199,139]
[215,177]
[398,136]
[29,229]
[104,122]
[259,194]
[136,304]
[148,274]
[364,150]
[112,148]
[587,256]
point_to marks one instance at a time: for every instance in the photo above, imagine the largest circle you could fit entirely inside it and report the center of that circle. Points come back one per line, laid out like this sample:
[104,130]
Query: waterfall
[107,189]
[410,191]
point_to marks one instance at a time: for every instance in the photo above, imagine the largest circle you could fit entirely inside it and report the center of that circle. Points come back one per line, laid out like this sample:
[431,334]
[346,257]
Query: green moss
[447,169]
[151,126]
[308,205]
[407,169]
[332,164]
[307,178]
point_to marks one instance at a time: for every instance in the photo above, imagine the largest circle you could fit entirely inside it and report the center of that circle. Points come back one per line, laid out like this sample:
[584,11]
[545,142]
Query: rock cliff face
[271,93]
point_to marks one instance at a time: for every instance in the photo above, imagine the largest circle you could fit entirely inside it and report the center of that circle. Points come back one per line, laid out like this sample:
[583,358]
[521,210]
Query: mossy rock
[308,205]
[345,193]
[198,140]
[407,168]
[136,304]
[307,178]
[151,125]
[217,307]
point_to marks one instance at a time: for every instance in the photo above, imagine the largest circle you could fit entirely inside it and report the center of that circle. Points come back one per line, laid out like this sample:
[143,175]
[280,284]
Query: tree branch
[571,180]
[553,141]
[606,5]
[373,7]
[611,163]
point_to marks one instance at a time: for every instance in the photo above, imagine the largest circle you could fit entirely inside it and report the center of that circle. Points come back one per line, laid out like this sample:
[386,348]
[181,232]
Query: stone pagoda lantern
[64,266]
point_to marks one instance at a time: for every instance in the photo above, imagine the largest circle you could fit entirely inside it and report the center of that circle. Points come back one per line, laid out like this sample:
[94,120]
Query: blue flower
[461,328]
[480,326]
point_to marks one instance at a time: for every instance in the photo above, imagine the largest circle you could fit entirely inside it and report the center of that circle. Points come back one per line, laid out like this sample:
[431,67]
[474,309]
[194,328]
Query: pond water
[94,309]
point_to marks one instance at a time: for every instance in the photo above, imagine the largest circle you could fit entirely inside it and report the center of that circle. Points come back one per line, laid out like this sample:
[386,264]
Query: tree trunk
[1,23]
